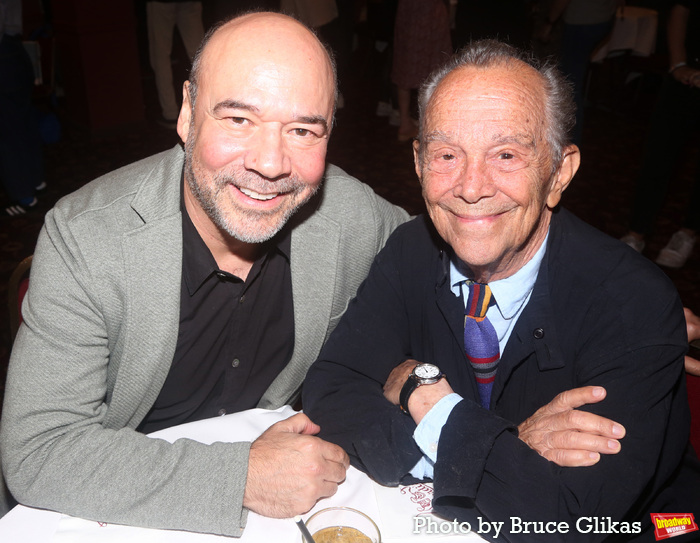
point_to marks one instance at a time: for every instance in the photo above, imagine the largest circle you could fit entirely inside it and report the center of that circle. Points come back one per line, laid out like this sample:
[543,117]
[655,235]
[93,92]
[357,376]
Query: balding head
[264,35]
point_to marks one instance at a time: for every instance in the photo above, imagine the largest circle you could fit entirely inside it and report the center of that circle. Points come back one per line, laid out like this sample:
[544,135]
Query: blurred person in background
[21,166]
[675,119]
[162,17]
[422,42]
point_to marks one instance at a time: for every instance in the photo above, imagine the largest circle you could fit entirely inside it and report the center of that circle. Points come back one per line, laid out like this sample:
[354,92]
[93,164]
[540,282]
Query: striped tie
[480,339]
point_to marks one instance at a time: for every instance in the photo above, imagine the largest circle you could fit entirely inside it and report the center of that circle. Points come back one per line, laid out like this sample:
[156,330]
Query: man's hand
[397,378]
[423,398]
[289,469]
[692,322]
[568,437]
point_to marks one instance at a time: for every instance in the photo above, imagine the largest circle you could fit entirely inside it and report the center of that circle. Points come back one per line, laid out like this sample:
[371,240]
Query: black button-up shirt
[235,336]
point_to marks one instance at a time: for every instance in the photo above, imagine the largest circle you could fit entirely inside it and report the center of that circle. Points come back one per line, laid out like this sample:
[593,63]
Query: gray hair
[559,104]
[197,60]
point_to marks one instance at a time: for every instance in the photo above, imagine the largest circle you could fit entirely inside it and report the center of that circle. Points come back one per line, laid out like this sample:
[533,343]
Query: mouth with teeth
[257,196]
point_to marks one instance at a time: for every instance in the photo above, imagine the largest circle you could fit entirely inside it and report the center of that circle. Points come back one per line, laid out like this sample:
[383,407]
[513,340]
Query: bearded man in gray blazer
[118,315]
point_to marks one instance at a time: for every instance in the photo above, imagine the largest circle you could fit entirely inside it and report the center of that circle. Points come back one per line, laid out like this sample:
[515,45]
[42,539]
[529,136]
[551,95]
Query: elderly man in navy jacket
[529,365]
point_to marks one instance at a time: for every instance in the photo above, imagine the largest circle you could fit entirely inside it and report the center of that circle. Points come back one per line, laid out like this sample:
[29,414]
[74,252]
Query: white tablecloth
[634,31]
[394,509]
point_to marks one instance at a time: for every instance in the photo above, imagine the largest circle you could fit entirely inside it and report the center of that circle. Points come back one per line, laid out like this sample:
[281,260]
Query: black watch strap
[407,389]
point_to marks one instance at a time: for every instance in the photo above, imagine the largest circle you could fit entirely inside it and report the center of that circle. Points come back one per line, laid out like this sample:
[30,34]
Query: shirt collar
[510,293]
[197,261]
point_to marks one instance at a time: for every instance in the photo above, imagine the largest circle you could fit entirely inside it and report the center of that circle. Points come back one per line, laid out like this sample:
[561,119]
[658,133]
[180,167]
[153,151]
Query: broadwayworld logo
[672,524]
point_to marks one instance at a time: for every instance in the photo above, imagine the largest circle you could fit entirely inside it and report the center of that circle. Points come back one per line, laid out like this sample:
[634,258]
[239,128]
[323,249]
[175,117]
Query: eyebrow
[305,119]
[437,135]
[520,139]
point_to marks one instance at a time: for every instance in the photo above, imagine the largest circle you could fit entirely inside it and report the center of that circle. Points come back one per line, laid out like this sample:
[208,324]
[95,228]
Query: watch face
[426,371]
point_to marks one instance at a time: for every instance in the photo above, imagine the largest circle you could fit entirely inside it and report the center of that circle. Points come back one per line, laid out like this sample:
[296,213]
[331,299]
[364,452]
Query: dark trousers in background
[577,45]
[20,142]
[676,116]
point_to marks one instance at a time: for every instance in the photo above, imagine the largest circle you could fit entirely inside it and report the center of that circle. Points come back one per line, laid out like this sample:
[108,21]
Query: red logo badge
[672,524]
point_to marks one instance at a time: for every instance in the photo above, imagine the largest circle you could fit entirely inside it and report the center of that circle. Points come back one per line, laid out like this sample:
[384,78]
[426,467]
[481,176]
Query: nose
[268,155]
[474,182]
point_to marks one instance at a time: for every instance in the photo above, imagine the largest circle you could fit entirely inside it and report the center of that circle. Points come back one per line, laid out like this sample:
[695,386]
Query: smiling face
[486,168]
[256,138]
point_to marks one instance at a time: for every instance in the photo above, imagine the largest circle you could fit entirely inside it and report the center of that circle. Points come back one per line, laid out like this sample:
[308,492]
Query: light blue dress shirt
[511,296]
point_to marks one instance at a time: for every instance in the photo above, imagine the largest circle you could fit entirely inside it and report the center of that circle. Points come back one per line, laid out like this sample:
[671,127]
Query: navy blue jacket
[599,314]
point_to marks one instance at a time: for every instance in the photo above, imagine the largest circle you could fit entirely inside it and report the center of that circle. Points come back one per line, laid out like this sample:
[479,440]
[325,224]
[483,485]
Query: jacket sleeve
[58,449]
[637,355]
[343,389]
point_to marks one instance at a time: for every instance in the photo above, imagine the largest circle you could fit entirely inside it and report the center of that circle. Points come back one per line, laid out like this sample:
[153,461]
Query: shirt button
[241,299]
[222,412]
[538,333]
[235,362]
[433,447]
[221,275]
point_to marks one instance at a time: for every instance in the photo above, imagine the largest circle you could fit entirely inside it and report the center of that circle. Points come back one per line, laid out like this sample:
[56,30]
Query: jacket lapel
[152,272]
[314,258]
[536,330]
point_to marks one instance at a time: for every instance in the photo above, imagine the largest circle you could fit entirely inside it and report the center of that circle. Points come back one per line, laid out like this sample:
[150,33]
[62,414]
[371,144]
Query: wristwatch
[422,374]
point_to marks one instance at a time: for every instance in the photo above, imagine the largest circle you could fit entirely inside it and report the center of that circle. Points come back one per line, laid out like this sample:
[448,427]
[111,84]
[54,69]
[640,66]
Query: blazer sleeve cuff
[465,444]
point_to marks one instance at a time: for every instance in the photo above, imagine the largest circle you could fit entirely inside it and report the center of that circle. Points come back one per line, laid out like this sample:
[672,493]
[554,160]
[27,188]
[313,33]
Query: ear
[183,121]
[416,158]
[564,175]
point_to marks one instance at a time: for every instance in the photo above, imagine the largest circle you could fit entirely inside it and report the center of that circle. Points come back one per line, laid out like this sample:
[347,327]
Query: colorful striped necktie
[480,339]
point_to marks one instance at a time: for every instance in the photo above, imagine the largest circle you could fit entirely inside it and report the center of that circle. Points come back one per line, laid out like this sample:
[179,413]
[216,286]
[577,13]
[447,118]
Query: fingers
[692,366]
[576,397]
[568,436]
[692,323]
[572,459]
[590,423]
[575,449]
[579,441]
[335,471]
[296,424]
[289,471]
[396,380]
[567,403]
[570,448]
[333,453]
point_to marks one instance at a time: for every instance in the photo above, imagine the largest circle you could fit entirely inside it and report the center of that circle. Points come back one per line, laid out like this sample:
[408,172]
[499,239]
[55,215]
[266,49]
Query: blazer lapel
[535,332]
[152,272]
[314,258]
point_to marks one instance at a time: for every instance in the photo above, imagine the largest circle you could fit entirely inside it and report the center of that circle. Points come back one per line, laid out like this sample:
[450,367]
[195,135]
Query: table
[394,509]
[634,31]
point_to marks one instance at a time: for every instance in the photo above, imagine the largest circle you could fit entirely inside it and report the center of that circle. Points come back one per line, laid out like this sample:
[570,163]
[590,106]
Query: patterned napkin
[407,515]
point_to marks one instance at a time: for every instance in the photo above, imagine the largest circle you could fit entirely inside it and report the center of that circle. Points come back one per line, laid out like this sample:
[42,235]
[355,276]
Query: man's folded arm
[513,480]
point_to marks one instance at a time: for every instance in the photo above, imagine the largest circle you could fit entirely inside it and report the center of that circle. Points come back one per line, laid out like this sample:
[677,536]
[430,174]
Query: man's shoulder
[119,188]
[352,206]
[345,193]
[418,236]
[599,258]
[591,272]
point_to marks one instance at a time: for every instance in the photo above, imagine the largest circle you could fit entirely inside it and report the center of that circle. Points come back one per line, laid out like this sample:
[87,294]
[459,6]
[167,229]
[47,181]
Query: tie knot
[479,300]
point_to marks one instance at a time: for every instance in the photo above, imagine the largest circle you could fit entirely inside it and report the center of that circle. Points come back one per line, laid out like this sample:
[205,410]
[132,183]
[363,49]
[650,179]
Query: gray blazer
[101,324]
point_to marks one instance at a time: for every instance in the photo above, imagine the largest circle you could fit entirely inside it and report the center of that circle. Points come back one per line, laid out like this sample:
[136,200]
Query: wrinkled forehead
[510,91]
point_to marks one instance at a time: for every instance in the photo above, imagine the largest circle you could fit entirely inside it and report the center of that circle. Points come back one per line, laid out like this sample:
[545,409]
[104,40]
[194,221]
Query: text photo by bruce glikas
[665,526]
